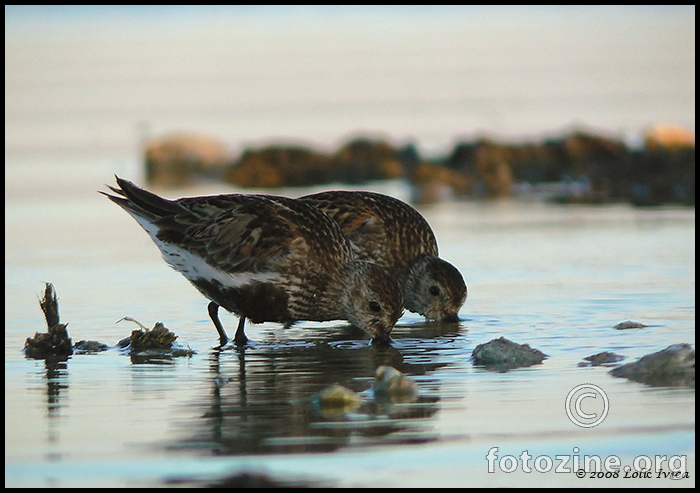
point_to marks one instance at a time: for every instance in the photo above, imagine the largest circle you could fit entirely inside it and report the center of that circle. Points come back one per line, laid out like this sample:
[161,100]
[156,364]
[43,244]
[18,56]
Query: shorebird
[394,235]
[266,259]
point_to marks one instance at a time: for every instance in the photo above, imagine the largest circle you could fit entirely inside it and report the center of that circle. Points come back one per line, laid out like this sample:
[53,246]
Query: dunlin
[394,235]
[266,258]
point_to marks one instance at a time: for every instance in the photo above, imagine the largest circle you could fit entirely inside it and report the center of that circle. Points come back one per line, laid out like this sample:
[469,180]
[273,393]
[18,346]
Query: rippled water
[96,81]
[557,278]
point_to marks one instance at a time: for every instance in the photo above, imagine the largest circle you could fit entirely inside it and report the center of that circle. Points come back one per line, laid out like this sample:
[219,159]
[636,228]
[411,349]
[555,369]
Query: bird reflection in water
[262,397]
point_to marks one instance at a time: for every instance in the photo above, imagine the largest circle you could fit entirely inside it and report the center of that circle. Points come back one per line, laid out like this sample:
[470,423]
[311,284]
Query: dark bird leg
[214,315]
[240,336]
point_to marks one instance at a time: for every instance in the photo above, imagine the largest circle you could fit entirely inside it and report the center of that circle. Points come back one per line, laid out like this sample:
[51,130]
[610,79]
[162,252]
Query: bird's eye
[374,306]
[434,290]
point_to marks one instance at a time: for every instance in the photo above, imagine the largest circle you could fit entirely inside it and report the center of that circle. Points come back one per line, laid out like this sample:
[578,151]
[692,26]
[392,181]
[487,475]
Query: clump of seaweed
[55,343]
[158,341]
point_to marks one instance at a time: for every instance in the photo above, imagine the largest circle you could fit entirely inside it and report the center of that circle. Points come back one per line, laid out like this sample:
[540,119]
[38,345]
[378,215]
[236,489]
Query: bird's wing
[249,234]
[356,217]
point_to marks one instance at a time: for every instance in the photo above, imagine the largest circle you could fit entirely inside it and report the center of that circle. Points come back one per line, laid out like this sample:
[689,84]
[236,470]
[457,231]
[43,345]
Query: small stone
[392,385]
[502,355]
[87,347]
[603,358]
[671,367]
[629,324]
[336,400]
[338,396]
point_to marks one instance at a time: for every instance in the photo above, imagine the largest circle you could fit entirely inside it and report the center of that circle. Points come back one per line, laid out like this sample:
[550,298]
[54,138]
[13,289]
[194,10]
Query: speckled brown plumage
[265,258]
[391,233]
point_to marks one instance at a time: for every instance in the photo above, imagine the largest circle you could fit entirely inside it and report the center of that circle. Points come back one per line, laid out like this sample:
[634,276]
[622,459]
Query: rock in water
[671,367]
[502,354]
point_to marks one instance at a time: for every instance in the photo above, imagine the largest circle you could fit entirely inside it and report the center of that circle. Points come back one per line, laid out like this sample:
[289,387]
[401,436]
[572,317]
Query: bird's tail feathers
[139,201]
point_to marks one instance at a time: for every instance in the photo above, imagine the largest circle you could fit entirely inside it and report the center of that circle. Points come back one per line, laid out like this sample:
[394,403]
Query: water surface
[85,87]
[558,278]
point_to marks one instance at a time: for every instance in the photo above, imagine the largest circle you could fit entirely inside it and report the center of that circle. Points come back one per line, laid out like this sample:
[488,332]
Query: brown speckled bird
[394,235]
[266,258]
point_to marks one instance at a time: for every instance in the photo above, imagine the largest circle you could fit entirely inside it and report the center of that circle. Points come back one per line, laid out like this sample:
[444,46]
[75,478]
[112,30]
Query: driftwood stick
[55,343]
[49,305]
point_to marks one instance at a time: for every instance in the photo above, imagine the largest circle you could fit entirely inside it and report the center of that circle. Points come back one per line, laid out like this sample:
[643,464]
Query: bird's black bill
[450,318]
[382,340]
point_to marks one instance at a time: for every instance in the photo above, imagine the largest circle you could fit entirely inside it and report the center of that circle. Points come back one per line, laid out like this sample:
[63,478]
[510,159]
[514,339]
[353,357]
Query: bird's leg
[214,315]
[240,336]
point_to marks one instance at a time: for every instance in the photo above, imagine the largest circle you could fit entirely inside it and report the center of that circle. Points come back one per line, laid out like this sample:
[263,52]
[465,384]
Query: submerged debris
[380,410]
[670,367]
[55,343]
[337,399]
[393,386]
[158,341]
[629,324]
[89,347]
[390,387]
[604,358]
[52,344]
[260,480]
[502,355]
[244,479]
[157,338]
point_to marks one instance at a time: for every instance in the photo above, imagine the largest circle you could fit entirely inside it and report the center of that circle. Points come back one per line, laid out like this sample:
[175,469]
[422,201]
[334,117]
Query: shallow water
[558,278]
[95,82]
